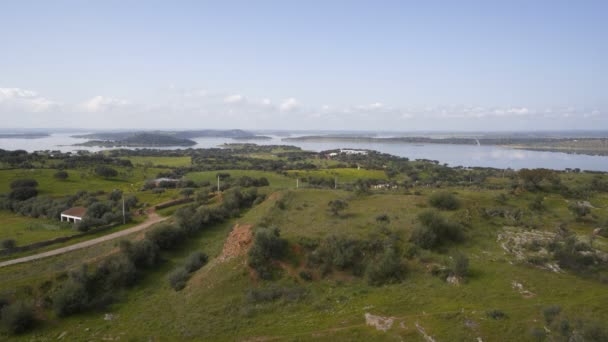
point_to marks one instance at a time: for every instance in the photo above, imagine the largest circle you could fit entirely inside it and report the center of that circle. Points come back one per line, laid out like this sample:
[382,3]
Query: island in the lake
[595,145]
[23,135]
[141,140]
[162,138]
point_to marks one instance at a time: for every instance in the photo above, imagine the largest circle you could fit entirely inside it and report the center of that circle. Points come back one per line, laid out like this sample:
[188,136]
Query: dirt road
[152,219]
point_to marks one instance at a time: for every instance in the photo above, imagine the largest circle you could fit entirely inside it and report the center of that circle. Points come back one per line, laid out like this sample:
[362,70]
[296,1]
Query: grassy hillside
[450,255]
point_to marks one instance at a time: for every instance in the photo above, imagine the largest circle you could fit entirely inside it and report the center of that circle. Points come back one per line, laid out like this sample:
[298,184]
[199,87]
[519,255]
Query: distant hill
[23,135]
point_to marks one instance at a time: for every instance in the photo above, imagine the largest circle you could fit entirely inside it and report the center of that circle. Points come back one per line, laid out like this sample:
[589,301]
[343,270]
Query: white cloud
[24,100]
[289,104]
[236,98]
[101,104]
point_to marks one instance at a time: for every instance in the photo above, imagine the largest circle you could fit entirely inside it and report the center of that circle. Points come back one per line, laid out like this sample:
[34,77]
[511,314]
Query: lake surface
[453,155]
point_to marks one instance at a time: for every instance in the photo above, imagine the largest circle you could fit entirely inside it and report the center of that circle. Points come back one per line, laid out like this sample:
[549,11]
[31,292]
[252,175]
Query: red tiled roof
[75,211]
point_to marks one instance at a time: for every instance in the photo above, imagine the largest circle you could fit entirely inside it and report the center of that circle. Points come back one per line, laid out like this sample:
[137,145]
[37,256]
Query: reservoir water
[453,155]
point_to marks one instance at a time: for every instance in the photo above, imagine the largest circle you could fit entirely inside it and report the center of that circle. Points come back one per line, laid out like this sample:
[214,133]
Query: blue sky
[393,65]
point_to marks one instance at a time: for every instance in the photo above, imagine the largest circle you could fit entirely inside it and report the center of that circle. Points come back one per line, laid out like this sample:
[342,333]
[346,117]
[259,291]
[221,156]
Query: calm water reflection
[454,155]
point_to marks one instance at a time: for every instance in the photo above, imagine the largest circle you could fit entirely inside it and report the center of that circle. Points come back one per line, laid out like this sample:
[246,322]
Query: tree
[61,175]
[18,317]
[533,177]
[187,192]
[105,171]
[23,193]
[336,206]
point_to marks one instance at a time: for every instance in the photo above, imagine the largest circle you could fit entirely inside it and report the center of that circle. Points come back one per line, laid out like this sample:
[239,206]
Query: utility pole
[297,183]
[218,183]
[124,219]
[335,182]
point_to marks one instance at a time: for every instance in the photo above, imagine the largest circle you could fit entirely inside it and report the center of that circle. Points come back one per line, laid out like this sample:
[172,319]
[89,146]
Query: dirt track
[152,219]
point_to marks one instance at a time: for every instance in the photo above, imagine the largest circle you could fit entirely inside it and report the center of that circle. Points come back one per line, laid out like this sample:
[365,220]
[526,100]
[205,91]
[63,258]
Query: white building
[74,214]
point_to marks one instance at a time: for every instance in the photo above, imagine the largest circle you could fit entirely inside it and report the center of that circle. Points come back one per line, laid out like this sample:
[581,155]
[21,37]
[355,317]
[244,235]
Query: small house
[74,214]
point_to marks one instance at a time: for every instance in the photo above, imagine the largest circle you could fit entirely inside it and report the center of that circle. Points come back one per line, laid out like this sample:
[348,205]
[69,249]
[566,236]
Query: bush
[435,230]
[8,243]
[166,236]
[178,278]
[273,293]
[195,261]
[336,206]
[71,298]
[551,312]
[444,201]
[105,171]
[143,254]
[24,183]
[305,275]
[61,175]
[383,218]
[18,317]
[115,271]
[386,269]
[461,265]
[496,314]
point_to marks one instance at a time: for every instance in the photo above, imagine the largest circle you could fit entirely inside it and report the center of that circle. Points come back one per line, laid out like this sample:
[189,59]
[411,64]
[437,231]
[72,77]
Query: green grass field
[26,230]
[276,180]
[214,304]
[344,175]
[81,179]
[138,161]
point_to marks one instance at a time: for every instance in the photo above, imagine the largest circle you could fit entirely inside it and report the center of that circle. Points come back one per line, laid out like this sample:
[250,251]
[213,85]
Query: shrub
[105,171]
[305,275]
[435,230]
[24,183]
[461,265]
[551,312]
[8,243]
[166,236]
[273,293]
[115,271]
[61,175]
[178,278]
[18,317]
[444,201]
[144,253]
[71,298]
[195,261]
[579,210]
[336,206]
[383,218]
[386,269]
[537,203]
[496,314]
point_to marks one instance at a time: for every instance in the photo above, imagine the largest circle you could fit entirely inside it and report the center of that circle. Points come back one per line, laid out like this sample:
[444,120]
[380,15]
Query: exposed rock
[237,243]
[454,280]
[519,287]
[379,322]
[62,335]
[108,317]
[426,336]
[469,323]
